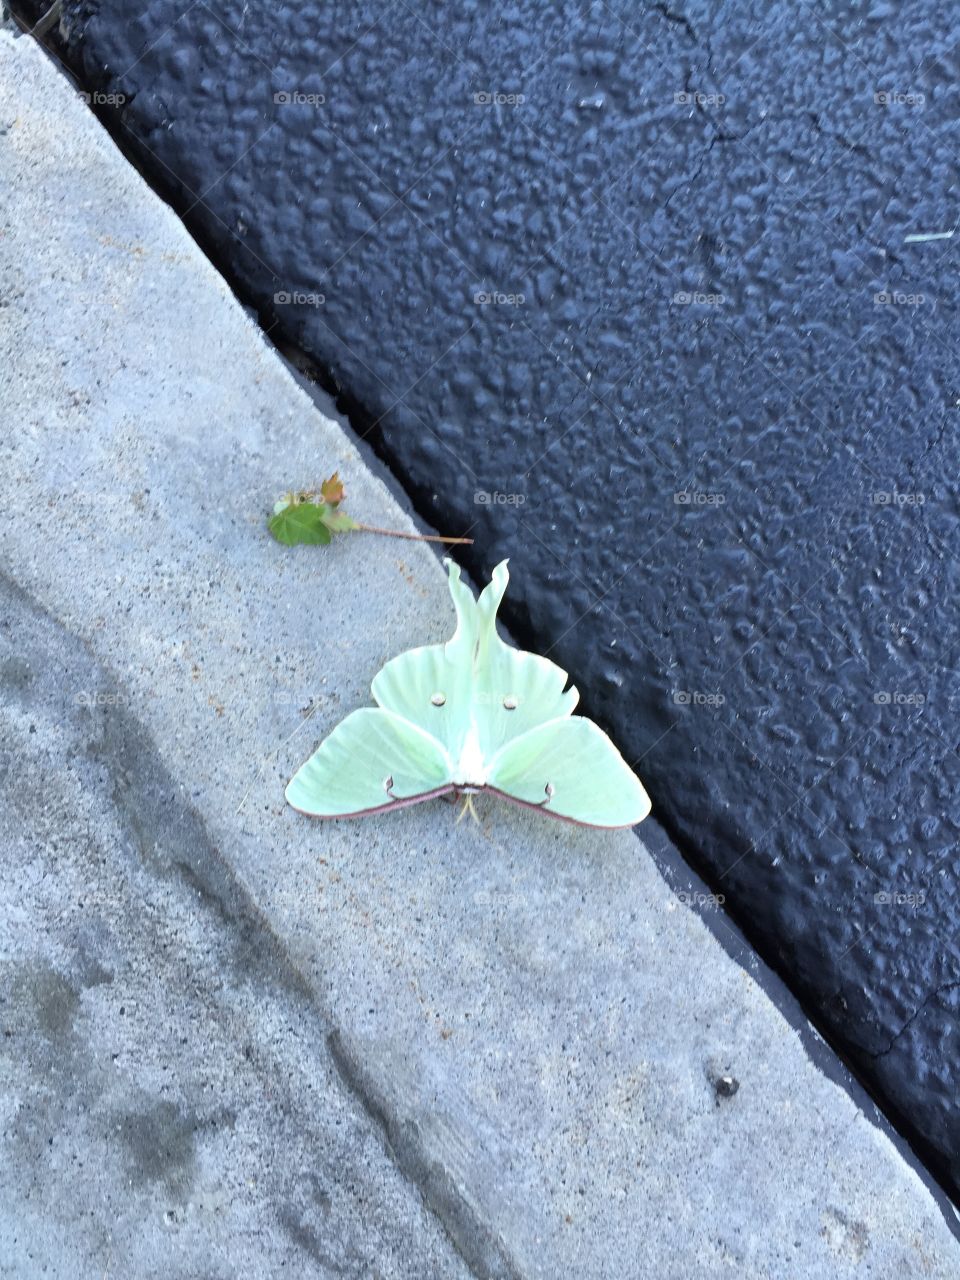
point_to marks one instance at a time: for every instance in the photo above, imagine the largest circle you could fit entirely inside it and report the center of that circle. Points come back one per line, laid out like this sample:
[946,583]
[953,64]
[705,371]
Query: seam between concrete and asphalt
[538,1025]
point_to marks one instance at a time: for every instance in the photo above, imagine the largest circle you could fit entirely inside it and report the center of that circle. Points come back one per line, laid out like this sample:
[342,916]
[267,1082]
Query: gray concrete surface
[235,1042]
[168,1103]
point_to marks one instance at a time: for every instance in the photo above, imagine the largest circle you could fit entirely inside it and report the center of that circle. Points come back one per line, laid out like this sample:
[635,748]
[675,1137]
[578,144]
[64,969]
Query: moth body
[470,772]
[471,715]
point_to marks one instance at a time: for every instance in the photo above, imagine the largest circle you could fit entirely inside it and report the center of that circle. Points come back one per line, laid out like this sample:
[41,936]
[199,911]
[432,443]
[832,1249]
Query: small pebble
[726,1086]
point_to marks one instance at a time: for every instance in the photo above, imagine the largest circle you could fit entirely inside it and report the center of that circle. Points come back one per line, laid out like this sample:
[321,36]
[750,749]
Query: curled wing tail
[433,686]
[514,691]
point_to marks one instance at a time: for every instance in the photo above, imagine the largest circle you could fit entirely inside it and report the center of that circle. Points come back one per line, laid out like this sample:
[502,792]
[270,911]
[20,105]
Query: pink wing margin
[405,803]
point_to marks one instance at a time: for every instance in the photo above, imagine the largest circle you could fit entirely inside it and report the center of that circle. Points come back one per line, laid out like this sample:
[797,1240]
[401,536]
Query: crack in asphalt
[944,986]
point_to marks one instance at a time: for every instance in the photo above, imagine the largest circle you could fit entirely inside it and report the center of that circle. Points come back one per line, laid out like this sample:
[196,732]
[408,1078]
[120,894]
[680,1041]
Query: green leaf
[339,522]
[301,522]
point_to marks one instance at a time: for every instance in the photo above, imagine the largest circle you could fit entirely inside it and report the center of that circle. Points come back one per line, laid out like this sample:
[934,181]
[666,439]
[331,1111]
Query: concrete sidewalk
[238,1042]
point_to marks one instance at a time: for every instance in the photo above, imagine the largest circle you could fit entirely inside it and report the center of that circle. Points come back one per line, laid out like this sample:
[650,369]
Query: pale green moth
[471,715]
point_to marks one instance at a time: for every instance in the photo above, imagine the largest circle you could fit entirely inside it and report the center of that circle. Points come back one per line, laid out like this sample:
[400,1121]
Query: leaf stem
[415,537]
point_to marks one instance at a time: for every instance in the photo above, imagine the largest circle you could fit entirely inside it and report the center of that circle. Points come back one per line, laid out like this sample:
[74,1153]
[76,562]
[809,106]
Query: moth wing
[514,691]
[409,683]
[373,760]
[569,768]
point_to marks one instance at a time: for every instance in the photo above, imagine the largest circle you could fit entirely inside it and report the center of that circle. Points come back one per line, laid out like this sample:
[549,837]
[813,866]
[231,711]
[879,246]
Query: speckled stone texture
[238,1043]
[626,292]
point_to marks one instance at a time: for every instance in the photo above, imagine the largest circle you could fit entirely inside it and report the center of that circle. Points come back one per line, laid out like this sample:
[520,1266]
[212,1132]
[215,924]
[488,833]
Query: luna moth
[474,714]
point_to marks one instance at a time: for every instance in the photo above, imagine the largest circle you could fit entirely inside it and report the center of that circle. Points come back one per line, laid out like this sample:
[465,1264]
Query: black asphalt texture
[633,295]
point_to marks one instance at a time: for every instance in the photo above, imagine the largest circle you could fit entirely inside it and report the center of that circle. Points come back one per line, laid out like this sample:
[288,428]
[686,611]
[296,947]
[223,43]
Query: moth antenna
[467,808]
